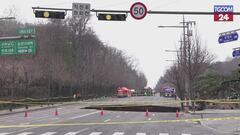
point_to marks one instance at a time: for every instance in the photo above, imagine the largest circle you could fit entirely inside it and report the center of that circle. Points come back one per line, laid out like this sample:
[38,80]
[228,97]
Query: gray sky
[142,39]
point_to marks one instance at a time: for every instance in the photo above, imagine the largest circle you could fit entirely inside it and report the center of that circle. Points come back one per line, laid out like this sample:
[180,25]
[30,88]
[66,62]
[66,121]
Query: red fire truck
[123,92]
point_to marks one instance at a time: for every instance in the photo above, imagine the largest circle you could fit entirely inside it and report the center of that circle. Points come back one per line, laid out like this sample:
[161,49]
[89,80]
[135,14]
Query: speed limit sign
[138,10]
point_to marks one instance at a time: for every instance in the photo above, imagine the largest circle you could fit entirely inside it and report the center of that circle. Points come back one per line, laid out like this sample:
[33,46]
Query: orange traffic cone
[177,115]
[101,113]
[25,114]
[146,113]
[56,112]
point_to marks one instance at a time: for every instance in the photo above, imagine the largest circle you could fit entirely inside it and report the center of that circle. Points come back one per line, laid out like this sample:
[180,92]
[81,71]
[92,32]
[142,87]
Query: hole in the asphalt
[138,108]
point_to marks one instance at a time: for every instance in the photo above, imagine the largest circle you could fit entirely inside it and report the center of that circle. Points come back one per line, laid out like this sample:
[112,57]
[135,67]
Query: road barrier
[26,114]
[146,113]
[167,102]
[56,112]
[177,115]
[101,113]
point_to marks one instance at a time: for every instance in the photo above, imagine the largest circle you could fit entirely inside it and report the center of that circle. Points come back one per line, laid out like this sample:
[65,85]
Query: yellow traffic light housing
[112,17]
[49,14]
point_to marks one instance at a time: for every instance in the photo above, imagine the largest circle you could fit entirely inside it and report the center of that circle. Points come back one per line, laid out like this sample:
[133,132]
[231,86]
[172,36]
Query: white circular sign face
[138,10]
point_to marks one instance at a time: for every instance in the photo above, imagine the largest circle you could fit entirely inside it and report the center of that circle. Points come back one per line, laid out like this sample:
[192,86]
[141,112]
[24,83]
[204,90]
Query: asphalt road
[72,120]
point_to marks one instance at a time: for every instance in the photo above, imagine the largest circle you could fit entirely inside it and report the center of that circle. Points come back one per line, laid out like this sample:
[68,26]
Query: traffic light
[112,17]
[49,14]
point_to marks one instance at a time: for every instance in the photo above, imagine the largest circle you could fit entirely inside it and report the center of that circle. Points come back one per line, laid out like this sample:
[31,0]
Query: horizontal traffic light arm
[149,12]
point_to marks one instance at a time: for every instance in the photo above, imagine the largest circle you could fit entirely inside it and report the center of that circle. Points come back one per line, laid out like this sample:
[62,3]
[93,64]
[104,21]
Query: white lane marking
[153,114]
[107,120]
[186,134]
[126,112]
[4,133]
[84,115]
[25,133]
[71,133]
[141,134]
[40,120]
[49,133]
[163,134]
[149,119]
[24,123]
[54,118]
[118,133]
[118,116]
[74,133]
[96,133]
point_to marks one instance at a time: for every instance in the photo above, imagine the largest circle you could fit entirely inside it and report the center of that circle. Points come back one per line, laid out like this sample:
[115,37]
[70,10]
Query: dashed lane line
[4,133]
[140,133]
[76,117]
[80,131]
[49,133]
[118,133]
[25,133]
[96,133]
[107,120]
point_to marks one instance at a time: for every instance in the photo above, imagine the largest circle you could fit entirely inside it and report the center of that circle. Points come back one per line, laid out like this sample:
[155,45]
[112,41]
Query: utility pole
[187,57]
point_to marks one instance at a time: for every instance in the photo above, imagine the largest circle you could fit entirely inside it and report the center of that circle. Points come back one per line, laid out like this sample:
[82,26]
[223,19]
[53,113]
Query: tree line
[196,74]
[69,59]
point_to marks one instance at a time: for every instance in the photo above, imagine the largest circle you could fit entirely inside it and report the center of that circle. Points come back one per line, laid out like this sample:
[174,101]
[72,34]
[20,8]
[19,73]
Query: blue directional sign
[228,37]
[236,53]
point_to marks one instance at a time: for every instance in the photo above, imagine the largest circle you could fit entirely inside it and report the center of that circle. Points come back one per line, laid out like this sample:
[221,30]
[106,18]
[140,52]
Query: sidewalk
[34,108]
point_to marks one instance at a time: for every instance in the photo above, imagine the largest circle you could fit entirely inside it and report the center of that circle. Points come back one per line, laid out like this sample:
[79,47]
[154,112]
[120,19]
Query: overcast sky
[142,40]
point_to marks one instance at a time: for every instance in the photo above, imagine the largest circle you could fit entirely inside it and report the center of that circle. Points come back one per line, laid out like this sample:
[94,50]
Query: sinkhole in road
[135,108]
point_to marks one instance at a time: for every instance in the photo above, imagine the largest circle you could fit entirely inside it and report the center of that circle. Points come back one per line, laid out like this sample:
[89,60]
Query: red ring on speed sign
[140,5]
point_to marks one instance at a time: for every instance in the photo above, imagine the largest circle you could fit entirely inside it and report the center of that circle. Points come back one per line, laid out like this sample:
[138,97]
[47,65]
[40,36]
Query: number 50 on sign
[223,13]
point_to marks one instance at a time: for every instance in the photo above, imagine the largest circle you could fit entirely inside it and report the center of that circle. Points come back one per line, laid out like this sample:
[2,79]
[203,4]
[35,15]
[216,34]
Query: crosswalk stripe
[163,134]
[141,134]
[25,133]
[96,133]
[49,133]
[71,133]
[118,133]
[4,133]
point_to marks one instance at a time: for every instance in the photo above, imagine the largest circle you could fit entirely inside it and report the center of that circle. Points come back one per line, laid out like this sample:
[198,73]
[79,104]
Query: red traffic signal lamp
[112,17]
[49,14]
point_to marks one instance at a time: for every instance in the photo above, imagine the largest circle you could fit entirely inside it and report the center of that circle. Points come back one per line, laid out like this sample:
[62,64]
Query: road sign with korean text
[21,46]
[81,9]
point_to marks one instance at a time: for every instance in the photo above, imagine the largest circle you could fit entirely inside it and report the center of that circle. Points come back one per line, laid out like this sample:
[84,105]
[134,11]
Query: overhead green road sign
[21,46]
[27,31]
